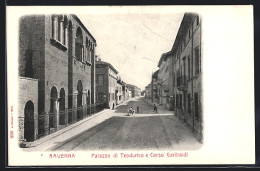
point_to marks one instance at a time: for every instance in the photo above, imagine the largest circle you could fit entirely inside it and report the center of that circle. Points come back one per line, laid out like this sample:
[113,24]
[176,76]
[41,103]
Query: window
[189,75]
[196,103]
[180,100]
[189,103]
[184,66]
[90,51]
[86,50]
[100,80]
[100,97]
[65,27]
[60,30]
[54,27]
[197,60]
[197,20]
[79,45]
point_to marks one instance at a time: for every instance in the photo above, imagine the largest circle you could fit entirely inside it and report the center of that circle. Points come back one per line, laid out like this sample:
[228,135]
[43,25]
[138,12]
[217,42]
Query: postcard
[130,85]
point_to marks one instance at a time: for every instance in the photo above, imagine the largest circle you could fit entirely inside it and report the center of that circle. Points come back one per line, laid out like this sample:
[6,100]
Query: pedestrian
[137,109]
[154,108]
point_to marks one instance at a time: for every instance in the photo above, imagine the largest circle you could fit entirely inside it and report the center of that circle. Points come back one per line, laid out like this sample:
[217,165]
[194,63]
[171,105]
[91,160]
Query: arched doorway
[29,121]
[88,103]
[79,100]
[53,107]
[62,107]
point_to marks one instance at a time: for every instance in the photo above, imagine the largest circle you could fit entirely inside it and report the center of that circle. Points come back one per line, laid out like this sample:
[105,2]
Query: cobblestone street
[143,130]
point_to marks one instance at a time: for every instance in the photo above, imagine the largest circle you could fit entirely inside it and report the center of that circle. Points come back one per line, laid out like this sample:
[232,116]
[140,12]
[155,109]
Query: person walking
[154,108]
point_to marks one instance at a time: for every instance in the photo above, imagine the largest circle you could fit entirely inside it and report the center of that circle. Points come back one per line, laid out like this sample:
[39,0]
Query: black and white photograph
[116,85]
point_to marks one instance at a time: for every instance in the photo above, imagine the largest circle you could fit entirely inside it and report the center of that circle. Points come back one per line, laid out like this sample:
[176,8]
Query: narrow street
[143,130]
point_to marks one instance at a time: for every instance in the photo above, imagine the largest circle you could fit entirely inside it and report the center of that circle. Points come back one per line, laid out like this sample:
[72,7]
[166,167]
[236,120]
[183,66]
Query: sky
[133,43]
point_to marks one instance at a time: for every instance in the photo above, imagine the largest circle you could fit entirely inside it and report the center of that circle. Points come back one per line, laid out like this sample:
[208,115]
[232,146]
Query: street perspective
[110,82]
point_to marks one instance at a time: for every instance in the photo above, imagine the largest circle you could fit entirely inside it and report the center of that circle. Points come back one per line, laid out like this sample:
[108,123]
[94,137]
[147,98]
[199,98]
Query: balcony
[182,83]
[165,88]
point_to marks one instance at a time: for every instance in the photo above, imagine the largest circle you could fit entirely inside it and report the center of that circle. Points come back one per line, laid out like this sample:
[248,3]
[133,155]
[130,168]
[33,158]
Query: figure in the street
[154,108]
[131,111]
[137,109]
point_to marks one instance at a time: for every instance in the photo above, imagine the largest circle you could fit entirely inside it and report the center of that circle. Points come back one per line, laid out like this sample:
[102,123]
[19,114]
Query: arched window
[89,46]
[79,100]
[62,107]
[90,52]
[87,51]
[54,27]
[60,29]
[88,98]
[65,26]
[53,107]
[79,45]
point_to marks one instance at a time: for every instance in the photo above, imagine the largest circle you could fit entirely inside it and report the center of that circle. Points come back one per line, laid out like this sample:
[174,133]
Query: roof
[186,21]
[155,74]
[83,26]
[108,64]
[164,56]
[131,85]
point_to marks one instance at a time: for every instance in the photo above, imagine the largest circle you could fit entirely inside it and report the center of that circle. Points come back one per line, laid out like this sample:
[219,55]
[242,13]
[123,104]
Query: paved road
[145,130]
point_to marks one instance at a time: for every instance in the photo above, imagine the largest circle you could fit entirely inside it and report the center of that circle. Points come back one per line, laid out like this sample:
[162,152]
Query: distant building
[155,92]
[143,93]
[119,91]
[148,91]
[125,91]
[57,74]
[135,91]
[106,86]
[129,93]
[165,81]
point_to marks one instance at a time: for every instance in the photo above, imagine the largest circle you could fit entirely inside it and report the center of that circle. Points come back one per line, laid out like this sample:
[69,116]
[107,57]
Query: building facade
[119,92]
[135,91]
[155,92]
[106,87]
[148,91]
[165,81]
[58,51]
[125,91]
[187,73]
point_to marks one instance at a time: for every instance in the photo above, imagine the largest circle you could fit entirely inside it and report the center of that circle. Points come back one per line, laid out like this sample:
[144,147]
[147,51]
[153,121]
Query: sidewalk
[49,141]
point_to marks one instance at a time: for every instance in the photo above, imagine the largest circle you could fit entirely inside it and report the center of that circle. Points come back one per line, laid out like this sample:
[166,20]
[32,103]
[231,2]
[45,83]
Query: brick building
[106,87]
[186,53]
[57,52]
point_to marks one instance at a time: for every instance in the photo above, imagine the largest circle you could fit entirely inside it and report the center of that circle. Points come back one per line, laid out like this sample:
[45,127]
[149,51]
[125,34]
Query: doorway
[29,121]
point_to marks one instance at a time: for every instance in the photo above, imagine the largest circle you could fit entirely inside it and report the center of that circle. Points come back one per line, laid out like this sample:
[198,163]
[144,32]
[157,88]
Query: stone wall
[28,91]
